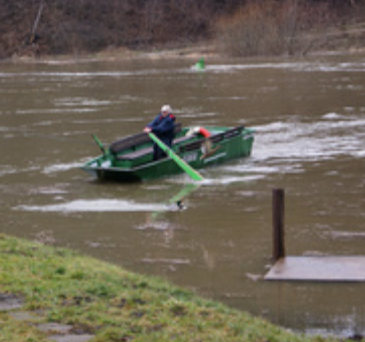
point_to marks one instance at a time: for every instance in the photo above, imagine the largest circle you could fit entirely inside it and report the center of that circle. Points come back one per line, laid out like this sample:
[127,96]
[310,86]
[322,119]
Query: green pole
[189,170]
[99,143]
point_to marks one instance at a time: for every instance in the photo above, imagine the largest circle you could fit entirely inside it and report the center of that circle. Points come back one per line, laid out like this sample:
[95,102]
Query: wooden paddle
[187,168]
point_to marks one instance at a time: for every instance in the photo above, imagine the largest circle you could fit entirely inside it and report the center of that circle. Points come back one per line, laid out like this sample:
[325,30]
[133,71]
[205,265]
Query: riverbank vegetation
[292,27]
[112,304]
[232,27]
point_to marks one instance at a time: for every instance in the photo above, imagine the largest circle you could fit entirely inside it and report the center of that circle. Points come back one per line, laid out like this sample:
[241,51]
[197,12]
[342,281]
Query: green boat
[131,158]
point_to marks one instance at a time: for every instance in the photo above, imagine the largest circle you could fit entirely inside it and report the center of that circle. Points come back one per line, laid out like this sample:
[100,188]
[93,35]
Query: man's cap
[166,108]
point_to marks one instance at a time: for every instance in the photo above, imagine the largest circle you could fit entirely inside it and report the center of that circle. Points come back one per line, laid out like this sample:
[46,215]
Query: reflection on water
[309,117]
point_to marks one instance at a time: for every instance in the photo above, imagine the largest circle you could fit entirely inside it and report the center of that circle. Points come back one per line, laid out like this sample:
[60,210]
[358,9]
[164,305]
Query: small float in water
[200,65]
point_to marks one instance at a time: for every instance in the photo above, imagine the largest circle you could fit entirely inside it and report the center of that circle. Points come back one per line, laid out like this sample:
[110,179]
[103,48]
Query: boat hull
[227,146]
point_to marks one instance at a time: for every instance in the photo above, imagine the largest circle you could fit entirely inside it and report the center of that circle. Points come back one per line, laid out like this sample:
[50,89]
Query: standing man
[163,126]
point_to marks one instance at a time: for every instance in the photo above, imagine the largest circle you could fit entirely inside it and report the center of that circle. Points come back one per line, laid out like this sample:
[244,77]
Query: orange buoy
[204,132]
[198,130]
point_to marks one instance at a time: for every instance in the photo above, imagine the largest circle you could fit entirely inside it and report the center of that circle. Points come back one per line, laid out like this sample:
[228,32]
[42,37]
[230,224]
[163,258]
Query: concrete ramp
[319,268]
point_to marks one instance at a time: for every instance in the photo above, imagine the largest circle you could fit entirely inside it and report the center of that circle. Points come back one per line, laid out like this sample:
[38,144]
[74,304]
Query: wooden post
[278,224]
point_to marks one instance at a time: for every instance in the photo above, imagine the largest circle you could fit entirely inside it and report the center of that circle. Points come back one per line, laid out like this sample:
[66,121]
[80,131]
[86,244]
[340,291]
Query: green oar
[177,199]
[189,170]
[100,144]
[180,196]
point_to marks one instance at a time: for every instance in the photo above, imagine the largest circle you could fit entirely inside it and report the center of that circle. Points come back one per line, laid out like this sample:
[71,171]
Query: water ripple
[99,205]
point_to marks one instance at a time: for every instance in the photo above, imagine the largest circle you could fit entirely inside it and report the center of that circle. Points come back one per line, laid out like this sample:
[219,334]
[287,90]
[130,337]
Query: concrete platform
[319,268]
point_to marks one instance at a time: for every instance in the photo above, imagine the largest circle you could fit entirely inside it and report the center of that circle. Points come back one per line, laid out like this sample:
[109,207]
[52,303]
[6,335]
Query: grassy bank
[113,304]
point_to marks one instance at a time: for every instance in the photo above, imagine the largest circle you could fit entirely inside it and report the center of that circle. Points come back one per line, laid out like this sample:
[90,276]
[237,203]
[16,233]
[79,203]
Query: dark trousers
[157,152]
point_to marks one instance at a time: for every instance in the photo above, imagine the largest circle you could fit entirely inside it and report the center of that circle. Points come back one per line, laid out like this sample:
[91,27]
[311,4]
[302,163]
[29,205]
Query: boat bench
[148,150]
[133,141]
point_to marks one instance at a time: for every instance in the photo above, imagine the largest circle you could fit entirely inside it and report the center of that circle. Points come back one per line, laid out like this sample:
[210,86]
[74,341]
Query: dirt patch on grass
[55,331]
[9,301]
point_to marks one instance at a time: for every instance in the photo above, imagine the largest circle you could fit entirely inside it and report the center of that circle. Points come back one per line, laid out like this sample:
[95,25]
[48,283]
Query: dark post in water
[278,224]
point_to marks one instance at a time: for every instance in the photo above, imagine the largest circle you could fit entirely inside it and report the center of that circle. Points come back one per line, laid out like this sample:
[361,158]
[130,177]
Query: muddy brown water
[309,117]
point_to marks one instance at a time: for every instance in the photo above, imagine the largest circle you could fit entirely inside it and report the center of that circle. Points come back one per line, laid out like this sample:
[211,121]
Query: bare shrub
[259,28]
[273,27]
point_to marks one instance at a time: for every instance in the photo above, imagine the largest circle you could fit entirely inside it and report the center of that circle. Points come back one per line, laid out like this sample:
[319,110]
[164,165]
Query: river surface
[309,117]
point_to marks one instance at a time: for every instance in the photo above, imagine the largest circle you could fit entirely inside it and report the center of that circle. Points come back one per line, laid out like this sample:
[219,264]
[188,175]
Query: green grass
[114,304]
[12,330]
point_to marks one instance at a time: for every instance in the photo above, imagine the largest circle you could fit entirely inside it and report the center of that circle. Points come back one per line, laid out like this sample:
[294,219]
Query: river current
[309,119]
